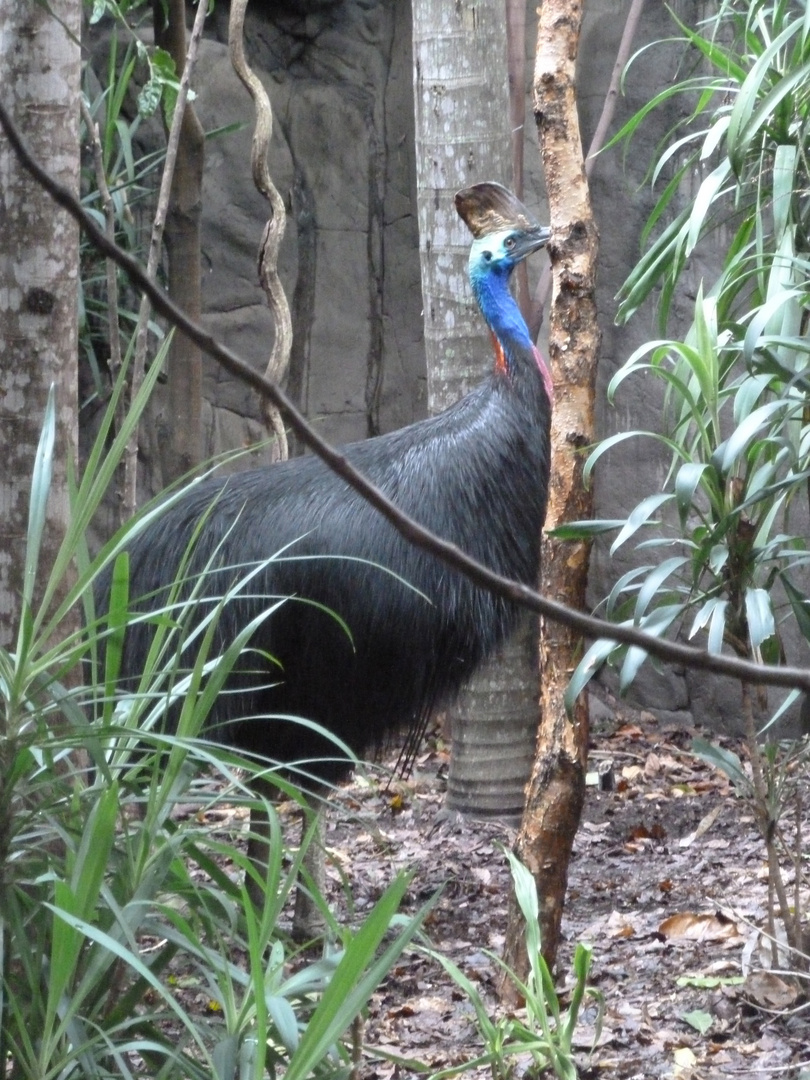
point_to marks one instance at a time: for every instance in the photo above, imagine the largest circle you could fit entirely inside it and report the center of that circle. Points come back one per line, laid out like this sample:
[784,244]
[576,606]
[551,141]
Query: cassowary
[409,630]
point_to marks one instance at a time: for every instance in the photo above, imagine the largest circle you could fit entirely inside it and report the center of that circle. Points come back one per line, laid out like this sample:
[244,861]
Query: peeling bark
[556,790]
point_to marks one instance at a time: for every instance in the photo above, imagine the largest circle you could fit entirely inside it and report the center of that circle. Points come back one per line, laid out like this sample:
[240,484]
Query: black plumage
[476,475]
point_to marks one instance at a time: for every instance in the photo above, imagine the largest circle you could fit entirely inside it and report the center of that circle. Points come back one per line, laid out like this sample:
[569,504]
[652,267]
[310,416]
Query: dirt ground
[668,884]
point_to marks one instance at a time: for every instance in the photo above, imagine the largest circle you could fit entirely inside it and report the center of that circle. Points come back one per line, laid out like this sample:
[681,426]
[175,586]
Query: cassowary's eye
[509,243]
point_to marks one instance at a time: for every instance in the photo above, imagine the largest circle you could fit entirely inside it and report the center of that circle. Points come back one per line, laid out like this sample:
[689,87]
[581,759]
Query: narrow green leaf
[717,629]
[656,623]
[742,141]
[117,619]
[750,391]
[715,135]
[285,1021]
[724,760]
[585,530]
[727,453]
[626,132]
[132,960]
[670,152]
[588,666]
[98,476]
[653,583]
[664,255]
[94,851]
[608,444]
[66,943]
[687,479]
[721,58]
[40,489]
[665,198]
[639,517]
[784,186]
[485,1025]
[764,318]
[355,979]
[759,614]
[712,612]
[703,202]
[703,360]
[626,584]
[225,1057]
[799,604]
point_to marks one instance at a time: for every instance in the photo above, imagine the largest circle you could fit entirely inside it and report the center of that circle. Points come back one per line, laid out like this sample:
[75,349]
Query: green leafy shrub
[541,1041]
[119,915]
[719,532]
[720,555]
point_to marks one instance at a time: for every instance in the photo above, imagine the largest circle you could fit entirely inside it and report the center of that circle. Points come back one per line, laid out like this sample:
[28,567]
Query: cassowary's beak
[532,239]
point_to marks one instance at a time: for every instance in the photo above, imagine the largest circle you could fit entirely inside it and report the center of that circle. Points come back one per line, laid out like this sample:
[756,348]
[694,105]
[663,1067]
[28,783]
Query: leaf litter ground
[668,884]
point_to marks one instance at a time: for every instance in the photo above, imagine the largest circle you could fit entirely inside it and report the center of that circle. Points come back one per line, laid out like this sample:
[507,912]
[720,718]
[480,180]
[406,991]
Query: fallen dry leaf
[699,927]
[618,926]
[684,1061]
[704,825]
[769,991]
[652,765]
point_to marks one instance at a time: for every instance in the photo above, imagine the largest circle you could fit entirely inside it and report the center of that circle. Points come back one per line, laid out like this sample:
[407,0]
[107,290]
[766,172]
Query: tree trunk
[516,61]
[181,423]
[557,787]
[494,727]
[39,259]
[463,137]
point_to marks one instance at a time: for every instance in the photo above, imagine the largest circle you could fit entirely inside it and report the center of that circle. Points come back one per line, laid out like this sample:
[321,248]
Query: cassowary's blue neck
[491,289]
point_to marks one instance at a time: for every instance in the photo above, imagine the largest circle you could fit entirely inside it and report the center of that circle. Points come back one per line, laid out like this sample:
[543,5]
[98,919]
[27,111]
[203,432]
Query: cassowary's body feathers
[476,475]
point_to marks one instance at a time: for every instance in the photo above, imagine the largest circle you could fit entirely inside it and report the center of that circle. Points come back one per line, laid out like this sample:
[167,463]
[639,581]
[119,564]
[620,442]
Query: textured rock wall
[339,76]
[340,83]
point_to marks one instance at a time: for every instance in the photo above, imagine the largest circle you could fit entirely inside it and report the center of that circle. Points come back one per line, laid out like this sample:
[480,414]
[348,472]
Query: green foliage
[746,135]
[162,80]
[783,767]
[544,1037]
[127,179]
[117,915]
[137,83]
[718,538]
[698,1019]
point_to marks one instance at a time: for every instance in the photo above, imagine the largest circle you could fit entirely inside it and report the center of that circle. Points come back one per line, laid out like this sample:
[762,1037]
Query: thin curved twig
[279,359]
[590,627]
[129,500]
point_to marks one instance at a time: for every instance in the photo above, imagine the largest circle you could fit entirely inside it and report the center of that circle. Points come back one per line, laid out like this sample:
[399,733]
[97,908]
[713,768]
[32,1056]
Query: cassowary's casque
[476,475]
